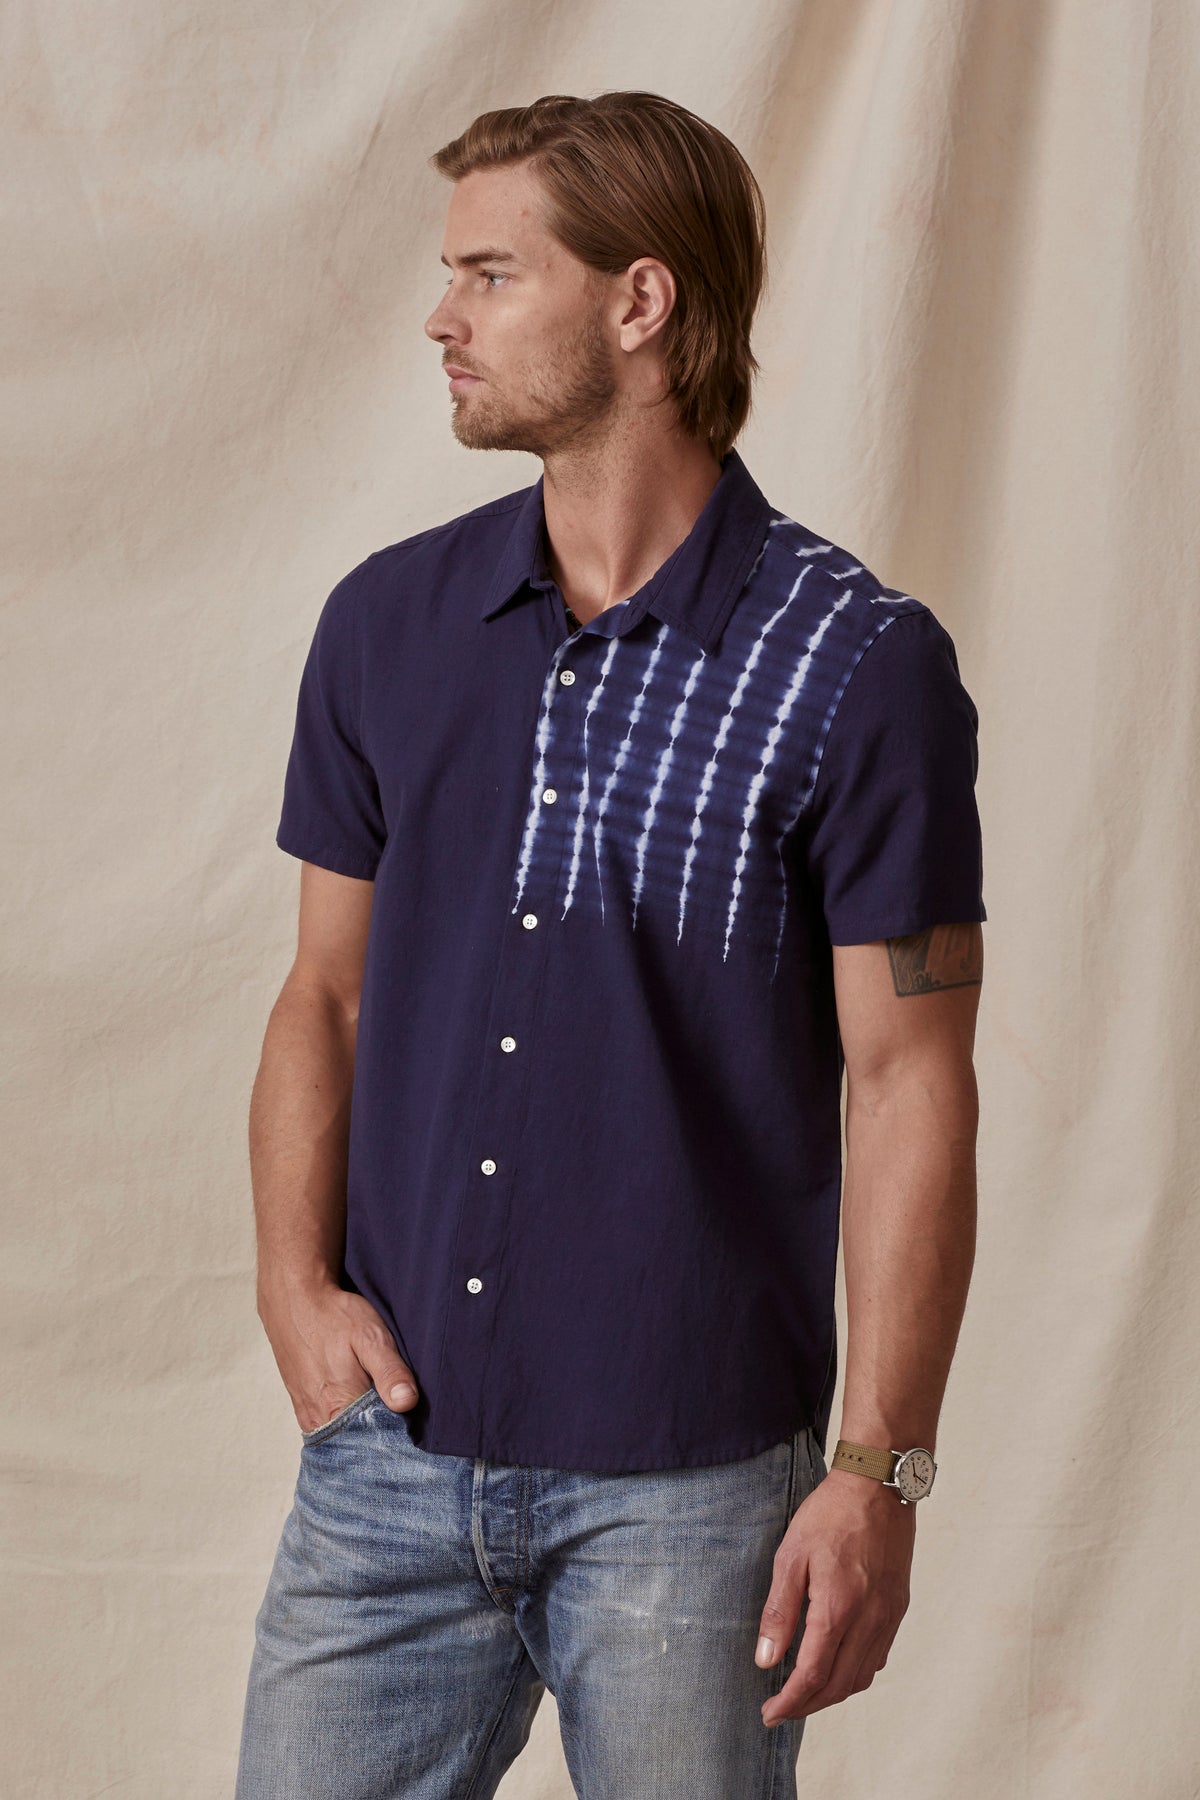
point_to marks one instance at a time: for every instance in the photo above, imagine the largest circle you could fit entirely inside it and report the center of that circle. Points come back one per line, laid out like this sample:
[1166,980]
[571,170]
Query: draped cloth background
[980,372]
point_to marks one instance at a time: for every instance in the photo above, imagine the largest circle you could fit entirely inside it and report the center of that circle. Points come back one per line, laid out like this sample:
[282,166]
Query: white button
[549,795]
[566,676]
[508,1043]
[474,1285]
[529,921]
[488,1166]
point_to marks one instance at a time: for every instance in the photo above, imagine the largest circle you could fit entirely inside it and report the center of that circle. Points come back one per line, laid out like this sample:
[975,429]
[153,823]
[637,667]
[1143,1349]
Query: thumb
[780,1616]
[394,1382]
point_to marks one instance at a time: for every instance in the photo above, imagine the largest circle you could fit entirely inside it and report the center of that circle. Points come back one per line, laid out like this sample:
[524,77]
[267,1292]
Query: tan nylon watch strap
[864,1459]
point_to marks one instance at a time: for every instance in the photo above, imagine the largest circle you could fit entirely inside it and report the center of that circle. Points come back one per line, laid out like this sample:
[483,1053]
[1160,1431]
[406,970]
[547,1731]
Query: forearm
[299,1134]
[908,1237]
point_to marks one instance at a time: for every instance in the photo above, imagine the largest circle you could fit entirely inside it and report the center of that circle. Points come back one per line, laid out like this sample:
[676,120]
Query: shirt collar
[698,585]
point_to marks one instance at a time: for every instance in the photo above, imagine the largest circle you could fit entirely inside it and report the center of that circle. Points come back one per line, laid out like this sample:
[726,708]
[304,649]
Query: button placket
[509,1044]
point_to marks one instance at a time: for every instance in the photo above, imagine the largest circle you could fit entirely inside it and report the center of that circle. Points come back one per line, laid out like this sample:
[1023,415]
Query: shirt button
[529,921]
[508,1043]
[549,795]
[474,1285]
[566,676]
[488,1166]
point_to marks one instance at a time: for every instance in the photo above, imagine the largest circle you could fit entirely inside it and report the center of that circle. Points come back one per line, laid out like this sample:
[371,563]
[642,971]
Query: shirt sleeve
[894,844]
[332,814]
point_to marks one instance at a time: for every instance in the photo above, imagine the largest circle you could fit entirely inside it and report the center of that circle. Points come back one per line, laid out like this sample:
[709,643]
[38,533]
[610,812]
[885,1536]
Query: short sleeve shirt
[595,1137]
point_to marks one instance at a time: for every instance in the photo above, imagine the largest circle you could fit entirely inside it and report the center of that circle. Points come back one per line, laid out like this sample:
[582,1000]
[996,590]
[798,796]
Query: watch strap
[864,1459]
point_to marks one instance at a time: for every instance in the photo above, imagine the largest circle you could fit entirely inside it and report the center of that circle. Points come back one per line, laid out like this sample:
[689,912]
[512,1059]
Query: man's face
[534,326]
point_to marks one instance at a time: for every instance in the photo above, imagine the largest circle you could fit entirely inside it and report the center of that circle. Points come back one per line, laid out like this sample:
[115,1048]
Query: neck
[612,524]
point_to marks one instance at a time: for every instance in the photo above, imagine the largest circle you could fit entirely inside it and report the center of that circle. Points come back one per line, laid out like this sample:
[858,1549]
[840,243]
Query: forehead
[498,210]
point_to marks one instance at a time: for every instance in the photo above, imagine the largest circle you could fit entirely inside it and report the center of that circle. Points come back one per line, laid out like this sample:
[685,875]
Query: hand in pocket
[331,1346]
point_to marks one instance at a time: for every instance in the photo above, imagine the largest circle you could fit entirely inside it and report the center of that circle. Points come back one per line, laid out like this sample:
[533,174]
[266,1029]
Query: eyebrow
[474,257]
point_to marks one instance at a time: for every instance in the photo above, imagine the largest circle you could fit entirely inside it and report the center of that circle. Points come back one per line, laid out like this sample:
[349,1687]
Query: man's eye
[487,274]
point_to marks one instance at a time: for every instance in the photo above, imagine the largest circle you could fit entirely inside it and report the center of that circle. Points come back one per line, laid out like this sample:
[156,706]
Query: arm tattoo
[944,956]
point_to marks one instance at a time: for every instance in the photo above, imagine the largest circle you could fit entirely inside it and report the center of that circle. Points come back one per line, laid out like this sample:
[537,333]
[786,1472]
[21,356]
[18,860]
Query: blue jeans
[420,1605]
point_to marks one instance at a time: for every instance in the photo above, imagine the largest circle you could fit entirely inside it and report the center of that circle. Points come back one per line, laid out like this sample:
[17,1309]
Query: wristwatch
[911,1472]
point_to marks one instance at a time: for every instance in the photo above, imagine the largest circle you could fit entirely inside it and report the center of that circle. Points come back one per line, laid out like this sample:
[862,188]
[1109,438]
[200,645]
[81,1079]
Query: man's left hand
[850,1547]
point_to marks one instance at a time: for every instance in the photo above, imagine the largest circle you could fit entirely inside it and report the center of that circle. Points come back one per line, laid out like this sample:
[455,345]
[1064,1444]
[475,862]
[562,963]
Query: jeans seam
[473,1781]
[523,1553]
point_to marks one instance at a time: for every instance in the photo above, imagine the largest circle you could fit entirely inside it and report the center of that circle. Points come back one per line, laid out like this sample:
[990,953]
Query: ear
[648,293]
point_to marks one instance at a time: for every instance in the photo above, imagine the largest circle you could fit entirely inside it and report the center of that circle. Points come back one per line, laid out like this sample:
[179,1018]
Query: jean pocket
[355,1408]
[808,1468]
[816,1461]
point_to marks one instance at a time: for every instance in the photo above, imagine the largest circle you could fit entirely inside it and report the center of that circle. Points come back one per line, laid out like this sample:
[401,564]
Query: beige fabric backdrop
[980,373]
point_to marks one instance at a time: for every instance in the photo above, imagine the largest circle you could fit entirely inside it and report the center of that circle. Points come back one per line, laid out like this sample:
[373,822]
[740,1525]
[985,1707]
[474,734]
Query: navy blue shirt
[595,1136]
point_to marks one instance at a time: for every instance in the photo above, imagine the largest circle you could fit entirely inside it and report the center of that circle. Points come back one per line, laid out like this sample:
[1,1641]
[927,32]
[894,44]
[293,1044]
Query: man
[631,814]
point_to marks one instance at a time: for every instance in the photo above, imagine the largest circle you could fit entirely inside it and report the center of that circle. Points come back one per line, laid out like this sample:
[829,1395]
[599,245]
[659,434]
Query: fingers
[317,1405]
[874,1658]
[393,1379]
[376,1350]
[785,1604]
[820,1645]
[836,1659]
[781,1614]
[331,1345]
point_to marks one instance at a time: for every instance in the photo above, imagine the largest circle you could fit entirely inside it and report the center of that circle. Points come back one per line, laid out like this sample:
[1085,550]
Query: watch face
[914,1474]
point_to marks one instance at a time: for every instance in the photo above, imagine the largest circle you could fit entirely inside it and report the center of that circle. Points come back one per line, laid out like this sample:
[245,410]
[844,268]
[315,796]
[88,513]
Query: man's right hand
[330,1346]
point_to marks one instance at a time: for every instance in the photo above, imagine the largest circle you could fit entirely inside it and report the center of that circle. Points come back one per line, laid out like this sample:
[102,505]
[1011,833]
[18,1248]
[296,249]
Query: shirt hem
[335,860]
[711,1457]
[904,924]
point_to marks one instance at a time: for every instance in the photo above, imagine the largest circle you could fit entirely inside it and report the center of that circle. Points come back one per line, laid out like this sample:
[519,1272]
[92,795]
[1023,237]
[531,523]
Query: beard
[565,399]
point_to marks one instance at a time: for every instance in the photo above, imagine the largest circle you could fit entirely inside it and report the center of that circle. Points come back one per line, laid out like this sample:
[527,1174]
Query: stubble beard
[568,398]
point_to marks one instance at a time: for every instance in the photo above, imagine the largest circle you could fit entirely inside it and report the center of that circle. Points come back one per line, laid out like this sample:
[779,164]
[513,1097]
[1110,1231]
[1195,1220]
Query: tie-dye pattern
[693,766]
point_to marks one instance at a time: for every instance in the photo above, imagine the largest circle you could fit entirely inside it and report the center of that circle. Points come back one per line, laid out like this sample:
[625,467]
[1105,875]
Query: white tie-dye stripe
[791,695]
[585,786]
[623,751]
[794,689]
[660,779]
[723,731]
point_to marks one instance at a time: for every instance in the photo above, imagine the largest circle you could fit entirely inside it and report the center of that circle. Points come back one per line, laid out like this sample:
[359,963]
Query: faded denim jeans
[420,1605]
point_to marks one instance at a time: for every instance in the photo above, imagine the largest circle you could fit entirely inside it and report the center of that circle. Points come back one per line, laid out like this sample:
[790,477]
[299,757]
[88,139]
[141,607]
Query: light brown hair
[631,174]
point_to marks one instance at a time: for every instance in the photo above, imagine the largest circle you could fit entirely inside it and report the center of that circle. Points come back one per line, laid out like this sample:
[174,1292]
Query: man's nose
[440,325]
